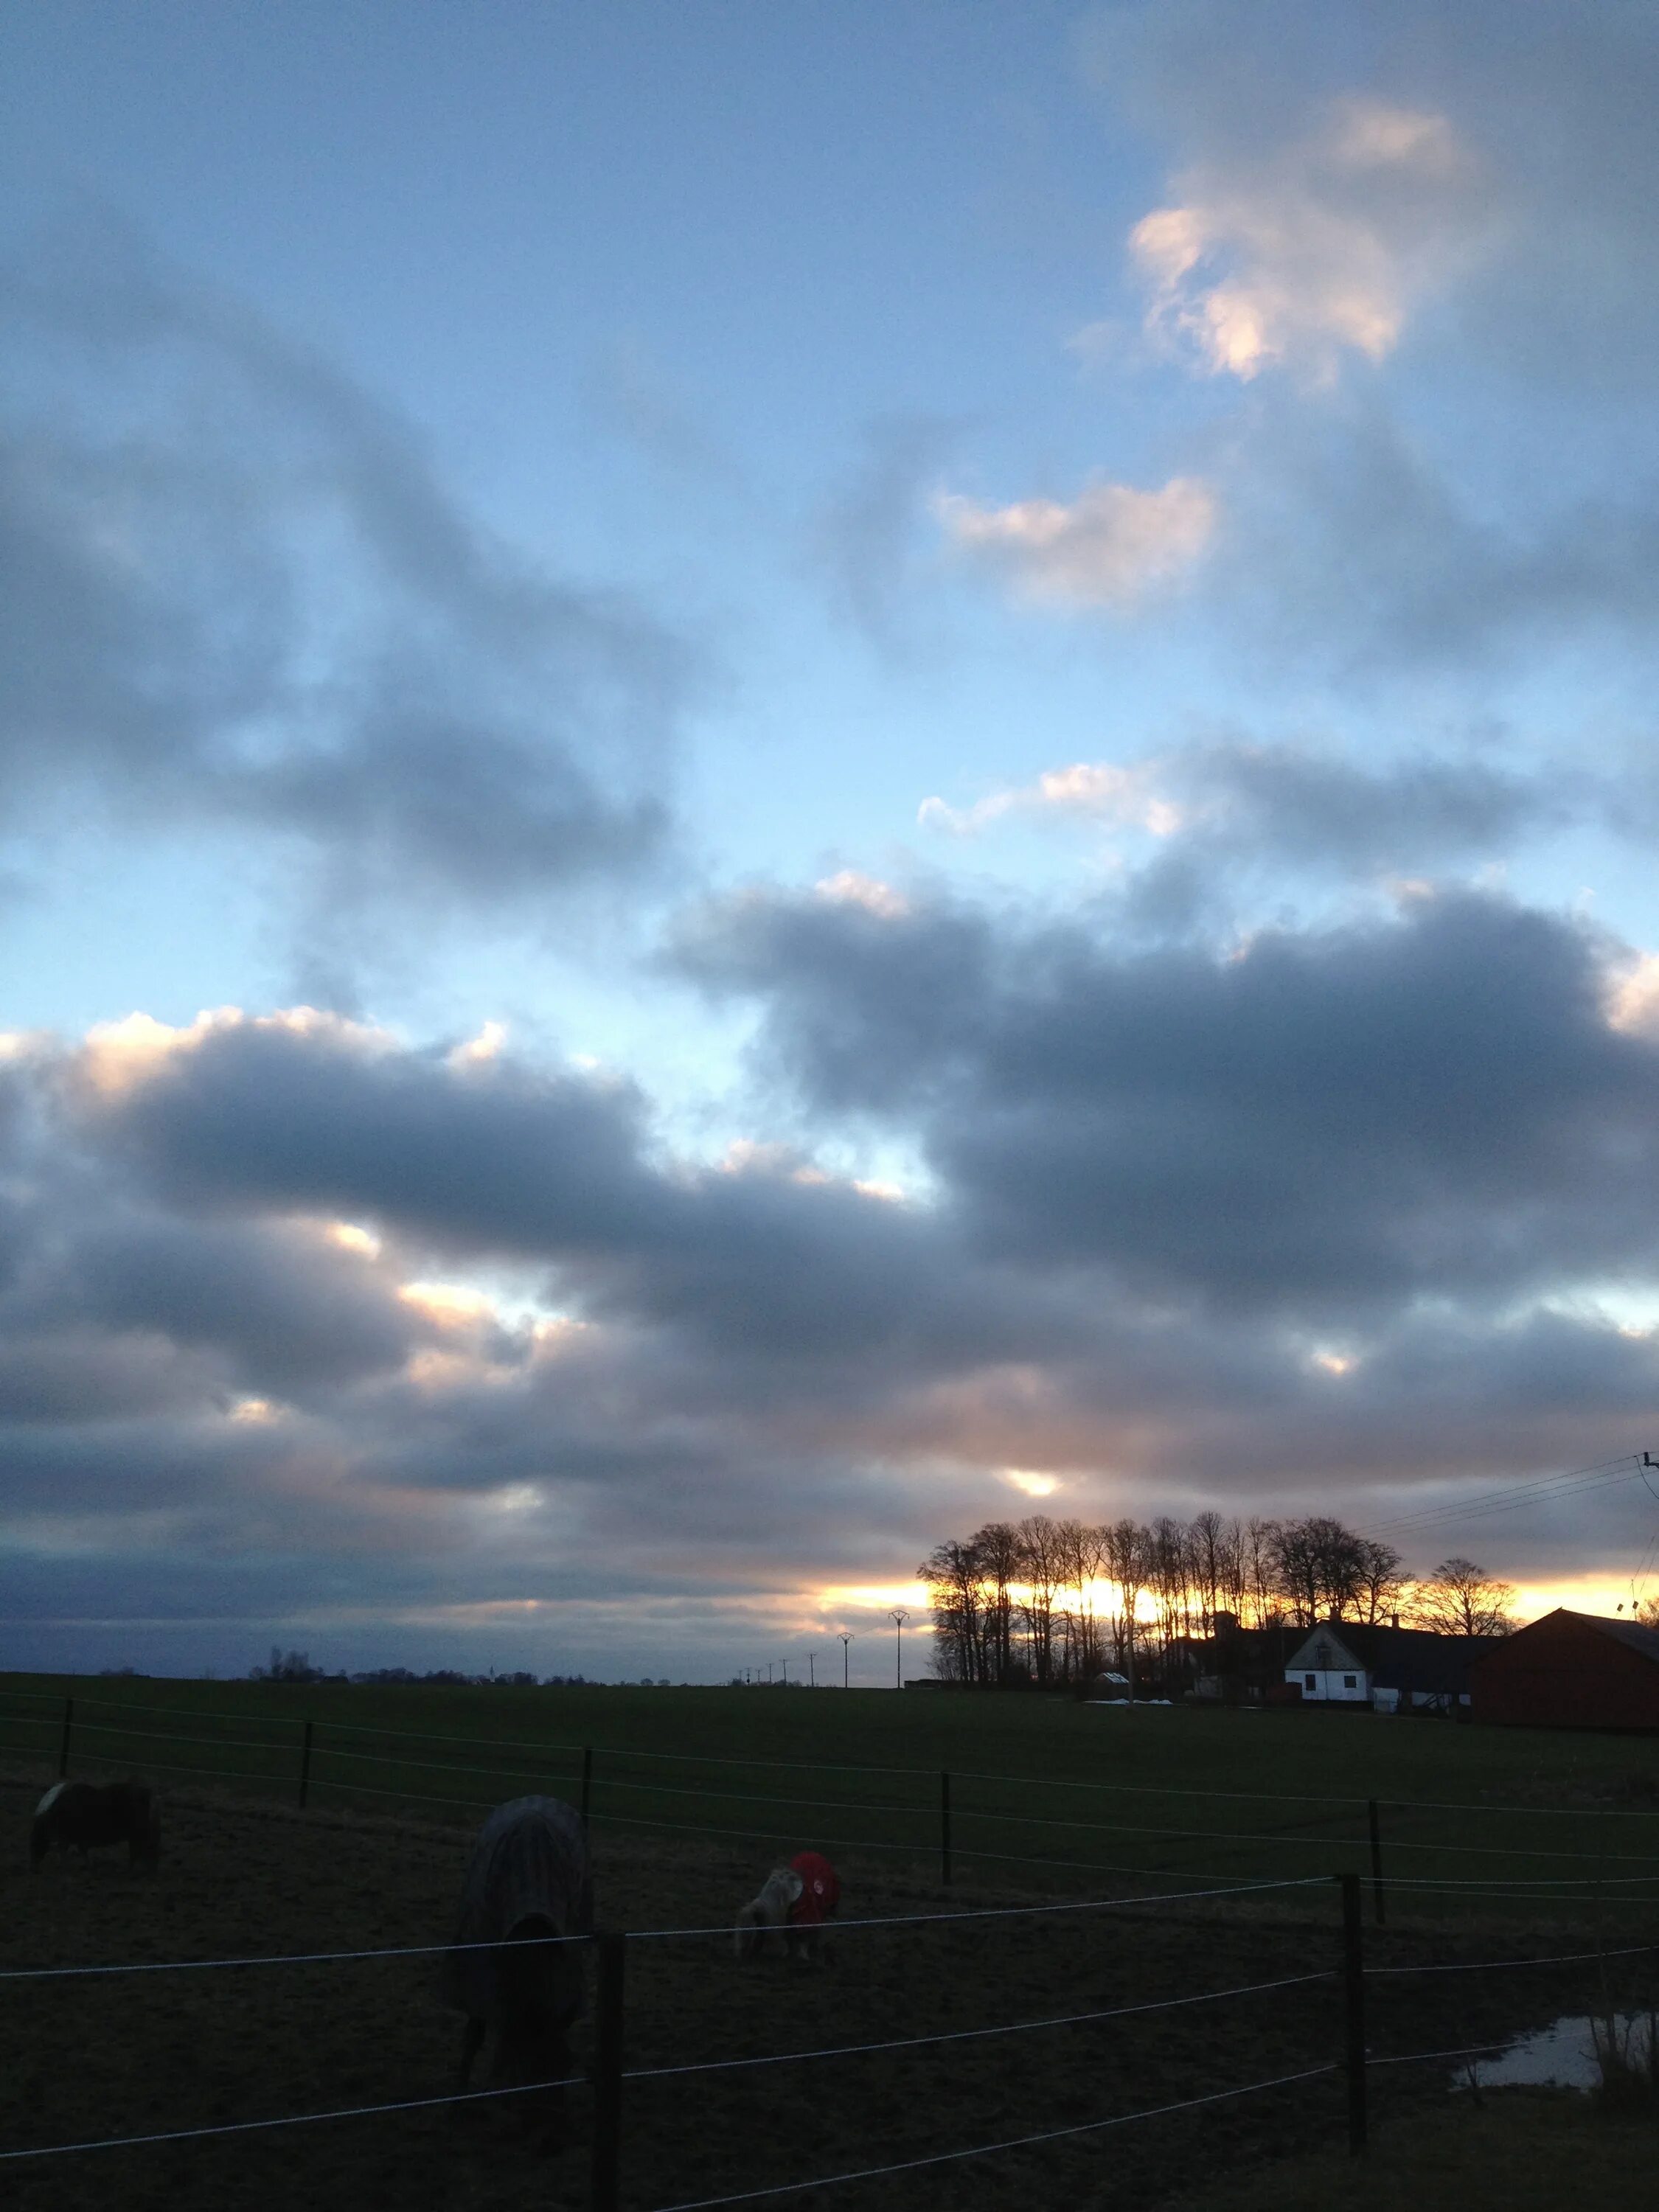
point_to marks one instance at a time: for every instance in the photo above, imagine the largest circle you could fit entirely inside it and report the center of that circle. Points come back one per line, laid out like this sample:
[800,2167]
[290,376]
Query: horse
[527,1881]
[792,1904]
[88,1815]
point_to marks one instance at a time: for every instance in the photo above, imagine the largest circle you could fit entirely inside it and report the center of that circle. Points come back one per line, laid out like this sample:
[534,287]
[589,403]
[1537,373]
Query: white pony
[762,1923]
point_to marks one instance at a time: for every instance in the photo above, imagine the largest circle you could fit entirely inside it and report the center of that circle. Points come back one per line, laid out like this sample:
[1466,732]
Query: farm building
[1394,1669]
[1569,1670]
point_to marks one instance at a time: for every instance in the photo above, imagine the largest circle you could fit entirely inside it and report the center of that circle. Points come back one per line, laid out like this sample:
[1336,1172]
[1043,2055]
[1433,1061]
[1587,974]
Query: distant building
[1236,1665]
[1569,1670]
[1341,1662]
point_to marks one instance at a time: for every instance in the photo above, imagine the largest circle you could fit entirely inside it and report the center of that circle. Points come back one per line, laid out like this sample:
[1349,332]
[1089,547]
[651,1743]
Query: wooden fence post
[305,1765]
[605,2183]
[944,1829]
[1353,1993]
[1373,1813]
[62,1746]
[587,1783]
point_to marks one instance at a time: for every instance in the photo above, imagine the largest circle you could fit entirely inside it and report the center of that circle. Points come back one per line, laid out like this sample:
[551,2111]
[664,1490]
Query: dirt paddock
[93,2057]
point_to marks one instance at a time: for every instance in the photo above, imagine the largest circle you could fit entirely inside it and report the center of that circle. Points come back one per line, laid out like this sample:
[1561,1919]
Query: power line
[1541,1491]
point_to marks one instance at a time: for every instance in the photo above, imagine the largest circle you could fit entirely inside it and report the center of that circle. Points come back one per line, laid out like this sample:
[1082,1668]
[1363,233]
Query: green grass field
[1045,1789]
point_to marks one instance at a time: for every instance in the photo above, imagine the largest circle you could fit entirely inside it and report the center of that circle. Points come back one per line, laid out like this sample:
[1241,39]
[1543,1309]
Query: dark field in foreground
[1527,2150]
[83,2058]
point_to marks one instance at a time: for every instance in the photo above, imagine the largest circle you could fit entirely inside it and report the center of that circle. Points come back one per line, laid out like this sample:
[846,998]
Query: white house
[1327,1672]
[1343,1663]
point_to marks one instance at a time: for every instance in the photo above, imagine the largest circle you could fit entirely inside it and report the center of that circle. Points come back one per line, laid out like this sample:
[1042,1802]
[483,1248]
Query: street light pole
[899,1615]
[845,1635]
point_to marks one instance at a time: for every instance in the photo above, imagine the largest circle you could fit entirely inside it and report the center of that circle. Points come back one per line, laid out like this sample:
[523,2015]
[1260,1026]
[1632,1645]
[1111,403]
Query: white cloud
[477,1051]
[1121,796]
[1110,547]
[851,889]
[1324,247]
[1632,1001]
[119,1057]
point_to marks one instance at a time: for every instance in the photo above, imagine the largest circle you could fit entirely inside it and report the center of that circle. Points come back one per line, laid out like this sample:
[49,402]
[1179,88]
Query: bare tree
[1460,1599]
[951,1572]
[1042,1563]
[999,1550]
[1128,1550]
[1259,1569]
[1381,1581]
[1091,1564]
[1078,1546]
[1318,1566]
[1209,1546]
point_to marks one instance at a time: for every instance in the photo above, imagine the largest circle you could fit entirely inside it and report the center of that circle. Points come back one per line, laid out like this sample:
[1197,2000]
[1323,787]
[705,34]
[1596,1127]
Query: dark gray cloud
[242,593]
[1260,1230]
[1433,1106]
[1359,543]
[1239,824]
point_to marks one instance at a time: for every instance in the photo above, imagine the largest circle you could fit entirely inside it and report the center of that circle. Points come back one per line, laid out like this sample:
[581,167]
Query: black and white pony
[87,1816]
[528,1882]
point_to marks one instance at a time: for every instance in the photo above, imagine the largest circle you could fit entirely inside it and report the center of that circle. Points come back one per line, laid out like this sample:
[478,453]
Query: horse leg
[472,2038]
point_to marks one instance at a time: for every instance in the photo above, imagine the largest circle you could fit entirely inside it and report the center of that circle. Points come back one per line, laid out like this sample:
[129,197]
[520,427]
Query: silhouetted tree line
[1054,1602]
[296,1667]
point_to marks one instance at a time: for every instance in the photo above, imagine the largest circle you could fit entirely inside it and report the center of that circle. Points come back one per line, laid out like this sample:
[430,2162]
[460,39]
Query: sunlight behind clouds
[1033,1484]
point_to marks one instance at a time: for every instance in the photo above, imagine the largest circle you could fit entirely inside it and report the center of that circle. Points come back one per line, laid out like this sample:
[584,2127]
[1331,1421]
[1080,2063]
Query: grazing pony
[87,1815]
[527,1880]
[793,1902]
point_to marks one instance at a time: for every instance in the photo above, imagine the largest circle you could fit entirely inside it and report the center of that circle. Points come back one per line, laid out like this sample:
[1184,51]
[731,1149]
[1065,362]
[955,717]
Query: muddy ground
[94,2057]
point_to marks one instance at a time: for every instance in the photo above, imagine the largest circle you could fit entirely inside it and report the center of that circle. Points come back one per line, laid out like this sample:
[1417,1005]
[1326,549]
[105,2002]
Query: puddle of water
[1561,2057]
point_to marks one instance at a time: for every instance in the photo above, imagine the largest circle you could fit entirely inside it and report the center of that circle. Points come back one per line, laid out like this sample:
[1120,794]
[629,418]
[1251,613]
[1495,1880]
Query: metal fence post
[944,1829]
[1373,1813]
[587,1783]
[62,1747]
[607,2172]
[305,1765]
[1353,1993]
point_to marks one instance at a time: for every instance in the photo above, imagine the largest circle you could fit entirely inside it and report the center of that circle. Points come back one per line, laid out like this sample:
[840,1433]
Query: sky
[771,778]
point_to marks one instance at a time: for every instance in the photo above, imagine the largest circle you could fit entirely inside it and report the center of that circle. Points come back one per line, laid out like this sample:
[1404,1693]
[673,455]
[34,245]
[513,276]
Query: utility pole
[845,1635]
[785,1673]
[812,1671]
[899,1616]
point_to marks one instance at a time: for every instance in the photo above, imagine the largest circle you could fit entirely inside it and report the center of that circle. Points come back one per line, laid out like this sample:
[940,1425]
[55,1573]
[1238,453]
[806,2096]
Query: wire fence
[1423,1850]
[610,2078]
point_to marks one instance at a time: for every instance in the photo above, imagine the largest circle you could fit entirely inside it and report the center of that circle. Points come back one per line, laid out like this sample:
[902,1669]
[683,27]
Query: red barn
[1569,1670]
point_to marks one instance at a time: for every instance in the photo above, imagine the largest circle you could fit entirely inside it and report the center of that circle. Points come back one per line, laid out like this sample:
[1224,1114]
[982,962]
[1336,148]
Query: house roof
[1628,1633]
[1396,1658]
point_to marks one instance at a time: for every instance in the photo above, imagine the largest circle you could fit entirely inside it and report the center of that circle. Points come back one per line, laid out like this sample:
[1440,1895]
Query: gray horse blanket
[529,1863]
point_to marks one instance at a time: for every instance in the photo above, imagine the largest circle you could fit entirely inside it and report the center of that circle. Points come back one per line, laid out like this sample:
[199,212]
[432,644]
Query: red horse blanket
[820,1891]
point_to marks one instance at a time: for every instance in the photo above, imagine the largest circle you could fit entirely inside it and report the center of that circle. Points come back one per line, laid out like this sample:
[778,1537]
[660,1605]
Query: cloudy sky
[775,776]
